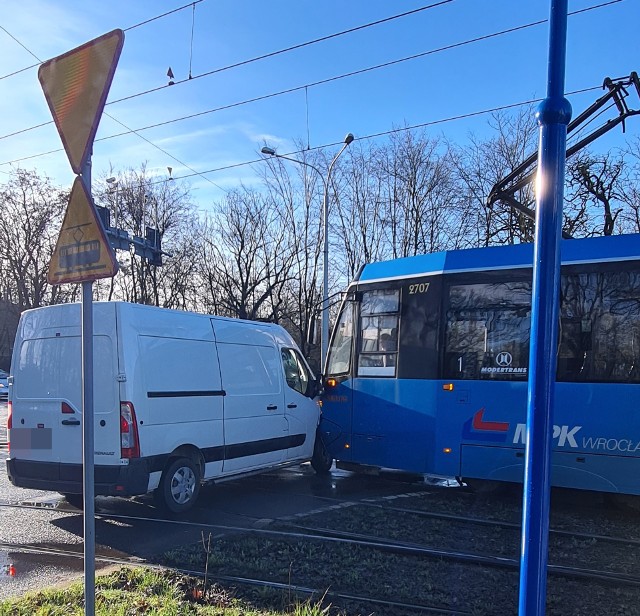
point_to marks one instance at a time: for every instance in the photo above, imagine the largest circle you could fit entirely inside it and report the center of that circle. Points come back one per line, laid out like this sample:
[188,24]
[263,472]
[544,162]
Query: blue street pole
[553,116]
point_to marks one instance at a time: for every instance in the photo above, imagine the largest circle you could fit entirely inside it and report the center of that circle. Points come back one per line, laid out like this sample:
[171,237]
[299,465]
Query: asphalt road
[248,502]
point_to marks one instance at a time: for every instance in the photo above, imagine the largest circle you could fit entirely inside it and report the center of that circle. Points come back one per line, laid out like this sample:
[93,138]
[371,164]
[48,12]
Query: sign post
[553,117]
[76,85]
[88,469]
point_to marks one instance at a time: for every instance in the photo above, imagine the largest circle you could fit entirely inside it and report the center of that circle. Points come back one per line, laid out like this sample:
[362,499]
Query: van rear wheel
[179,485]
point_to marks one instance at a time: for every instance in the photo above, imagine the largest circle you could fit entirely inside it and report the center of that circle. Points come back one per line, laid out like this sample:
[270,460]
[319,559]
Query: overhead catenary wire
[130,130]
[171,156]
[193,25]
[383,65]
[333,144]
[289,49]
[171,12]
[251,60]
[394,131]
[301,87]
[142,23]
[19,43]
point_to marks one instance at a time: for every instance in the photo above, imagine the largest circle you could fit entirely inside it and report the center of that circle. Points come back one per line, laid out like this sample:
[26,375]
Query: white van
[179,398]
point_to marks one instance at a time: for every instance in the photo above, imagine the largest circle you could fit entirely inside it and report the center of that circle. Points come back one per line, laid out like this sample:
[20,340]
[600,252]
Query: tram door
[394,388]
[374,424]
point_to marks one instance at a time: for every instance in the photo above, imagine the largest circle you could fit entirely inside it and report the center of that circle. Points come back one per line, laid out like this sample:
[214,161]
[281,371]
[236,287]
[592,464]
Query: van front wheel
[75,500]
[179,485]
[321,461]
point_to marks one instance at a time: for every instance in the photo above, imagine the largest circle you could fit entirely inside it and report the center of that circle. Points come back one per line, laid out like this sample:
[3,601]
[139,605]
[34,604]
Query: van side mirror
[315,387]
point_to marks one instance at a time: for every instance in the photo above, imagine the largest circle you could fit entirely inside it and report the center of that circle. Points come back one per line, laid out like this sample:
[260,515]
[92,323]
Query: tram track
[426,514]
[383,504]
[380,567]
[504,524]
[404,548]
[302,537]
[468,557]
[313,592]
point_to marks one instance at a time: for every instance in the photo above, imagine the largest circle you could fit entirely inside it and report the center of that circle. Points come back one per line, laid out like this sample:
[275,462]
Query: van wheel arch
[192,453]
[180,481]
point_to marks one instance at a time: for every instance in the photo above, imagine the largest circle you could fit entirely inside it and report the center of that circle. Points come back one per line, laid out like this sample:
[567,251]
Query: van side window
[295,372]
[248,369]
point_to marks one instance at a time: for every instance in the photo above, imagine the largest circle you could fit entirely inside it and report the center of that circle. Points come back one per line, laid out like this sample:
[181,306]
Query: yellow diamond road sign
[76,85]
[82,252]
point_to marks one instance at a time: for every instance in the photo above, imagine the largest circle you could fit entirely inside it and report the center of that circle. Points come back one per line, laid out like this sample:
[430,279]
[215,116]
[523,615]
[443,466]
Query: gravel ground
[432,581]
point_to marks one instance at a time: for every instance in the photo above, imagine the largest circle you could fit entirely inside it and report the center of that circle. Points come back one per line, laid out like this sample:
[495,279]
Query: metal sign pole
[87,432]
[553,117]
[76,85]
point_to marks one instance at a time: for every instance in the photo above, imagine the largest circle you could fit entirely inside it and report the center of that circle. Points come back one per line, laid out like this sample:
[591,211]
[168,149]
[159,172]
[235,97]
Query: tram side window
[487,331]
[379,311]
[339,361]
[600,327]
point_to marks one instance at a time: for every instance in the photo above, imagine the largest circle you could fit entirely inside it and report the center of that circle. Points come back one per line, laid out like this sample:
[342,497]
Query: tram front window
[339,361]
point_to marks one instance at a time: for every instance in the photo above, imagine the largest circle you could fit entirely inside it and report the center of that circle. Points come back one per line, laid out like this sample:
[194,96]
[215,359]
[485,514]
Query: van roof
[277,331]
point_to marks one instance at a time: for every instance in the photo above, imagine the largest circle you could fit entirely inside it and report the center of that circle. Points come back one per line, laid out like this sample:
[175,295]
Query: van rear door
[47,391]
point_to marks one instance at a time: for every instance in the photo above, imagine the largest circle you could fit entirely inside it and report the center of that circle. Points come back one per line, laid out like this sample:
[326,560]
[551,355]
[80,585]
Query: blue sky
[498,71]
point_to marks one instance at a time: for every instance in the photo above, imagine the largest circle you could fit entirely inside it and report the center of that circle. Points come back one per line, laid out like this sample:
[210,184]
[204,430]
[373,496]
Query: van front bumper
[125,480]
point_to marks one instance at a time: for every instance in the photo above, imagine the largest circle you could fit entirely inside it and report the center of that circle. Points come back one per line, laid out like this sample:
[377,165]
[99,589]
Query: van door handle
[70,422]
[272,407]
[292,406]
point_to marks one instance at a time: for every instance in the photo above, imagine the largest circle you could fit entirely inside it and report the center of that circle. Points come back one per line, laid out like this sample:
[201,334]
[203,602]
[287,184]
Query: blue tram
[428,365]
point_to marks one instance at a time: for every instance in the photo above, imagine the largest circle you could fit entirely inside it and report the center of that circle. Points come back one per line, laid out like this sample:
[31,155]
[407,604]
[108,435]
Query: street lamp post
[325,241]
[114,184]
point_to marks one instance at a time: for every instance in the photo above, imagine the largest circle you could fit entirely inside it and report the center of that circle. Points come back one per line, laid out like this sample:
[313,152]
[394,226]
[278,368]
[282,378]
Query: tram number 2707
[418,288]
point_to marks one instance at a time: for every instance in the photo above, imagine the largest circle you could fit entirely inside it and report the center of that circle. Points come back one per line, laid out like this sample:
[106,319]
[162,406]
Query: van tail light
[9,424]
[66,409]
[129,441]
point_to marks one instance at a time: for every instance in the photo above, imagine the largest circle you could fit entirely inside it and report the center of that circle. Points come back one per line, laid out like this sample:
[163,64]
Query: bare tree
[628,193]
[139,200]
[357,220]
[593,191]
[481,164]
[421,207]
[31,210]
[298,207]
[245,259]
